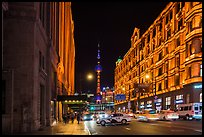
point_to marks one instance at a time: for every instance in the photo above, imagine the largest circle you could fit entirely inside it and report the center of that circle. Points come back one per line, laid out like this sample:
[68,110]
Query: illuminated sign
[178,101]
[141,106]
[159,100]
[158,104]
[120,97]
[198,86]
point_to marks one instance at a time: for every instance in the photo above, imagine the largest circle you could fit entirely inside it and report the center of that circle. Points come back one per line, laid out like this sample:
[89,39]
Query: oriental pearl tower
[98,70]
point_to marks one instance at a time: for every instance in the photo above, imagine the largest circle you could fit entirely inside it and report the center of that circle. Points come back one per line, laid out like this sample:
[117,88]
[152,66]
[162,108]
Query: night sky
[111,24]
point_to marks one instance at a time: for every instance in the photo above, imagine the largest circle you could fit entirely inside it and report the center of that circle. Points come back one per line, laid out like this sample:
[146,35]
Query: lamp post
[123,90]
[151,82]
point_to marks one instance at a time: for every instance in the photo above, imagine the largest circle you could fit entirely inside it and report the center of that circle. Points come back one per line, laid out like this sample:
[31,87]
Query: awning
[71,97]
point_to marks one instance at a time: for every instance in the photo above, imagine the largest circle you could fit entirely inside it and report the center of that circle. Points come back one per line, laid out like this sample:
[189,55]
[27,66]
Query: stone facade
[170,54]
[31,59]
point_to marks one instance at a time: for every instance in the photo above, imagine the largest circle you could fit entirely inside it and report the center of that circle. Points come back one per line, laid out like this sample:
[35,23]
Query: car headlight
[85,117]
[91,116]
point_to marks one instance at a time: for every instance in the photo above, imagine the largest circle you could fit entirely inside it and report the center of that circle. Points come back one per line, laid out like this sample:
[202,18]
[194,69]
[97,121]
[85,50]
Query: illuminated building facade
[37,65]
[170,54]
[62,33]
[107,98]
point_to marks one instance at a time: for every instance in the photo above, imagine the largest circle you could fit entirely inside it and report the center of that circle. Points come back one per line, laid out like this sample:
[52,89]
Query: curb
[89,133]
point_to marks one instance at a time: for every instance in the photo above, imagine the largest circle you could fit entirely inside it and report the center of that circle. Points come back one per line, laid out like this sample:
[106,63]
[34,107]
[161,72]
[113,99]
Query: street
[179,127]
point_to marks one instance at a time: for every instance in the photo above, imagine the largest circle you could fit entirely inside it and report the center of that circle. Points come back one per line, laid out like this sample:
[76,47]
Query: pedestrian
[64,118]
[72,117]
[68,117]
[78,117]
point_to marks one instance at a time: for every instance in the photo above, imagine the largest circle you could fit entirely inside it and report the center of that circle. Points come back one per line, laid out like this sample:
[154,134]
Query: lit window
[200,97]
[149,102]
[179,97]
[201,70]
[168,102]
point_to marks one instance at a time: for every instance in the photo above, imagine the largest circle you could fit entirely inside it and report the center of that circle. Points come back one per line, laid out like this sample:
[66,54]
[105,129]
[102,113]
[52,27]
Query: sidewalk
[64,129]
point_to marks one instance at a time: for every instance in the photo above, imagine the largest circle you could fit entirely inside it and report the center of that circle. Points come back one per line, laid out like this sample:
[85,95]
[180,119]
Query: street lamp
[89,76]
[147,76]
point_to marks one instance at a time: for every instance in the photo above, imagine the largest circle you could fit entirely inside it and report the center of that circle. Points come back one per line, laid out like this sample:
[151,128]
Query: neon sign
[198,86]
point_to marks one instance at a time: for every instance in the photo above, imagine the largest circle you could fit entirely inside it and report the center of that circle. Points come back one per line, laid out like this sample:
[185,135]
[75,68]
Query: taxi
[148,115]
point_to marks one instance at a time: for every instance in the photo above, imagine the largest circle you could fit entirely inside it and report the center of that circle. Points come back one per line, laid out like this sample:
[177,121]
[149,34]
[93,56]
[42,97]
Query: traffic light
[92,108]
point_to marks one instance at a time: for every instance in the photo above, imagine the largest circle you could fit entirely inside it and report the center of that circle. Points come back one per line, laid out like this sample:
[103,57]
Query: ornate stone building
[38,63]
[62,34]
[167,59]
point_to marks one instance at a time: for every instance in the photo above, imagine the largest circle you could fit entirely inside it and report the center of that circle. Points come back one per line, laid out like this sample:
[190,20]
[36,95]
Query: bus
[190,111]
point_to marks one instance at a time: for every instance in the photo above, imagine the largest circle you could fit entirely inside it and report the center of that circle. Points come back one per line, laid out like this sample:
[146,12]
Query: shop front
[158,104]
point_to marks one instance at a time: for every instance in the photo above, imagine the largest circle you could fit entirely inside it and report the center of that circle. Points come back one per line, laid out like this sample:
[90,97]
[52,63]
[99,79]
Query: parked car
[148,115]
[87,117]
[190,111]
[168,115]
[117,118]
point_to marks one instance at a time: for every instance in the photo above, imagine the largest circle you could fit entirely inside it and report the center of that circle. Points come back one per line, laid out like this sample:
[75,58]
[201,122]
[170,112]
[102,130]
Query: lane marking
[87,129]
[127,128]
[198,130]
[154,124]
[177,130]
[179,126]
